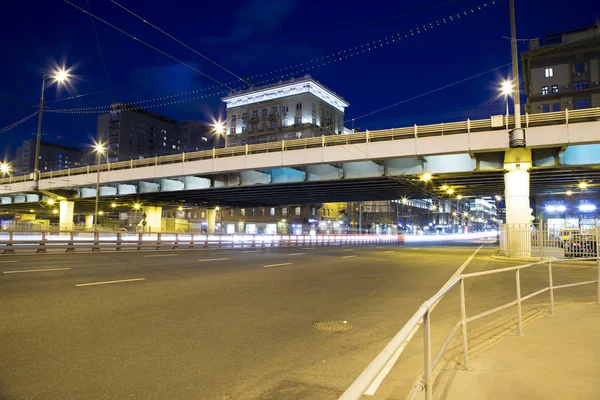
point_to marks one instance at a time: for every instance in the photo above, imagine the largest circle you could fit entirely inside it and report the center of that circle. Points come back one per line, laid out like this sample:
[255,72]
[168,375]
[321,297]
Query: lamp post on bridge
[99,149]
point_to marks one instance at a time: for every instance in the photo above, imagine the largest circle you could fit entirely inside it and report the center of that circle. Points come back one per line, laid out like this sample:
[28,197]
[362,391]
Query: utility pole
[515,66]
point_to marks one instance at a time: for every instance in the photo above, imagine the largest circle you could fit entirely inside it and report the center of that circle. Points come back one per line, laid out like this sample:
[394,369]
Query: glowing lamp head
[113,205]
[450,191]
[4,168]
[498,197]
[55,211]
[99,148]
[426,177]
[507,88]
[459,197]
[50,202]
[100,212]
[568,192]
[180,208]
[445,187]
[136,206]
[583,185]
[404,200]
[219,127]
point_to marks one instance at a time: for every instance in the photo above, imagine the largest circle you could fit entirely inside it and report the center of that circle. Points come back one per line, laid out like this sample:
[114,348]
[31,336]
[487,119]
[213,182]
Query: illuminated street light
[113,205]
[434,207]
[568,192]
[59,76]
[404,200]
[426,177]
[55,211]
[136,206]
[31,211]
[506,88]
[100,212]
[445,187]
[583,185]
[4,168]
[450,191]
[99,149]
[454,214]
[498,197]
[50,202]
[459,197]
[180,208]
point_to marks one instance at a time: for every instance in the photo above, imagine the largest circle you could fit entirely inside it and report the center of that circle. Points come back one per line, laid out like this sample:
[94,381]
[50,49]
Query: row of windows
[576,86]
[579,104]
[274,111]
[284,212]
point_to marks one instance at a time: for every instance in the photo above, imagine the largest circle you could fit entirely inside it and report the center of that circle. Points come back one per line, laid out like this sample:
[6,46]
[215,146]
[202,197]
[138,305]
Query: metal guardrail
[422,316]
[12,242]
[416,131]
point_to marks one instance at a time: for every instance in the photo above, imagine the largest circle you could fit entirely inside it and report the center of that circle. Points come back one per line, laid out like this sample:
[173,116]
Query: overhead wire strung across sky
[296,69]
[15,124]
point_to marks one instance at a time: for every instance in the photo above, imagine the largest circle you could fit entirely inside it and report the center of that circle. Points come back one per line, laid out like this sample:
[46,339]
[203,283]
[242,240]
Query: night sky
[253,37]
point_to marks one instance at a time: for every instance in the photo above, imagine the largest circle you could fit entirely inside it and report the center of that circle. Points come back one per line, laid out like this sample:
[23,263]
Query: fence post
[567,116]
[158,241]
[427,354]
[519,316]
[541,239]
[119,236]
[463,317]
[140,239]
[96,246]
[70,246]
[551,284]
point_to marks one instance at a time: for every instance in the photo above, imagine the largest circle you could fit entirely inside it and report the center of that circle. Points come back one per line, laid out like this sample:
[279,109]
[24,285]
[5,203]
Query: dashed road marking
[276,265]
[163,255]
[348,250]
[35,270]
[214,259]
[296,254]
[109,282]
[389,251]
[348,256]
[6,262]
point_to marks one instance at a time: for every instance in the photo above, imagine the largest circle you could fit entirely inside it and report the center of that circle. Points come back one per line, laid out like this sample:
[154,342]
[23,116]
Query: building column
[211,216]
[89,221]
[66,215]
[517,163]
[153,218]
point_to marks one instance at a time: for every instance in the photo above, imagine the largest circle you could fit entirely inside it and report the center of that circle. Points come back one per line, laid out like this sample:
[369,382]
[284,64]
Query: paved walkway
[557,358]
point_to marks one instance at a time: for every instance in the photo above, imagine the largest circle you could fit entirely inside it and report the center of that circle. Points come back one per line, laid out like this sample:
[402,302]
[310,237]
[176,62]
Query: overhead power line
[14,125]
[100,52]
[147,44]
[179,41]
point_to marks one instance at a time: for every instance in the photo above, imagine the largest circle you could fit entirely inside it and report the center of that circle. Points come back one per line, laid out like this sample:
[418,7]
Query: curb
[496,256]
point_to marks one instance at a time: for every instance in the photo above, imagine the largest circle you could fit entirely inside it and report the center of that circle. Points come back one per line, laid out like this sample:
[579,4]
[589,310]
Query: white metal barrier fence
[70,241]
[425,383]
[540,240]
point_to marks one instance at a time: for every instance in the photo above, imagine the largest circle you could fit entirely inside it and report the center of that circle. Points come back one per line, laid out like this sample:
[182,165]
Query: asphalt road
[216,324]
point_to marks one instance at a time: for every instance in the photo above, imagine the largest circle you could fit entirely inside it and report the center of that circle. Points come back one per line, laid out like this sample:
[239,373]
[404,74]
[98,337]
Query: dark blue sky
[251,37]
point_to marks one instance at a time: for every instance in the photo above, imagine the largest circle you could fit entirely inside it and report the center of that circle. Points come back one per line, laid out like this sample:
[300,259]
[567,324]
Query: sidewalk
[557,358]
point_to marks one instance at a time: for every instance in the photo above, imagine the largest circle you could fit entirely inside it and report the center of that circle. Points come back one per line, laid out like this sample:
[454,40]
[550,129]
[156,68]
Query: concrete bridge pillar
[211,216]
[153,218]
[89,221]
[66,215]
[517,163]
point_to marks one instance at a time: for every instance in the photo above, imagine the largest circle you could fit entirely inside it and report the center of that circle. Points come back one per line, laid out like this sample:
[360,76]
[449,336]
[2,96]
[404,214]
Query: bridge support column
[66,215]
[89,221]
[517,163]
[211,217]
[153,218]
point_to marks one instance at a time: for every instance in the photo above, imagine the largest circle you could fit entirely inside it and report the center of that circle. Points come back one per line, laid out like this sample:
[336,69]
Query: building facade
[131,132]
[293,109]
[195,135]
[52,157]
[563,71]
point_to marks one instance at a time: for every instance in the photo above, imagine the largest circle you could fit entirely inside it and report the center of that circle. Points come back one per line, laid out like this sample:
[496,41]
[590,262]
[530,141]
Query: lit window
[164,144]
[549,72]
[243,211]
[545,108]
[298,106]
[262,211]
[298,135]
[555,107]
[174,146]
[580,85]
[272,211]
[554,88]
[203,214]
[283,210]
[544,90]
[164,138]
[253,212]
[312,211]
[297,211]
[273,124]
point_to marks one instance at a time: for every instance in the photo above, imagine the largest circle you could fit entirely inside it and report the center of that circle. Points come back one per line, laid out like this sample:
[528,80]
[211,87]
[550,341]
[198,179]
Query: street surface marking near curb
[389,251]
[214,259]
[12,261]
[276,265]
[107,282]
[348,250]
[308,248]
[34,270]
[348,256]
[251,251]
[296,254]
[163,255]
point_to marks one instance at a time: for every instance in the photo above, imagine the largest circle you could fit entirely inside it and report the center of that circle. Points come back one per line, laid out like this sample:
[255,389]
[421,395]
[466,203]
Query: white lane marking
[389,251]
[348,256]
[34,270]
[252,251]
[379,247]
[296,254]
[377,381]
[107,282]
[308,248]
[163,255]
[276,265]
[214,259]
[6,262]
[348,250]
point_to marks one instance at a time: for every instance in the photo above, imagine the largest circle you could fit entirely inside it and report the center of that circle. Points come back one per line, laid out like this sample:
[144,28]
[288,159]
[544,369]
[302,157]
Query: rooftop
[564,37]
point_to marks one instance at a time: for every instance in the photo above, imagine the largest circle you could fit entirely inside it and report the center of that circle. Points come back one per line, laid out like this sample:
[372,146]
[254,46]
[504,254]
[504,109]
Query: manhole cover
[333,326]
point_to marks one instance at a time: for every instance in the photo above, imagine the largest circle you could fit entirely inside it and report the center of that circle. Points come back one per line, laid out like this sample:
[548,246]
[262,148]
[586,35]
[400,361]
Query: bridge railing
[42,241]
[416,131]
[370,379]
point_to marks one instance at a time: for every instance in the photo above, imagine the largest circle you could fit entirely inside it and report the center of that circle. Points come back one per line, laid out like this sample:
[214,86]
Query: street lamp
[4,168]
[99,149]
[219,128]
[59,76]
[506,89]
[426,177]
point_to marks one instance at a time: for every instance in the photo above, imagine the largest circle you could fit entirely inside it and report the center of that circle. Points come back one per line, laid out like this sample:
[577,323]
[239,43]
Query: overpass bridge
[469,156]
